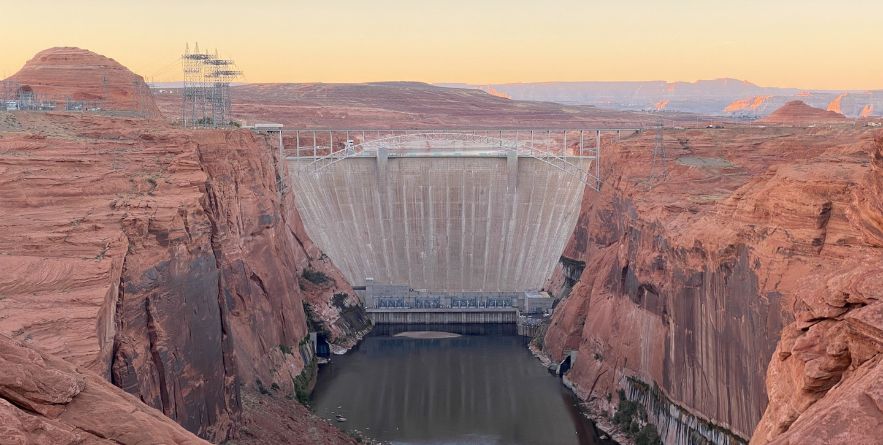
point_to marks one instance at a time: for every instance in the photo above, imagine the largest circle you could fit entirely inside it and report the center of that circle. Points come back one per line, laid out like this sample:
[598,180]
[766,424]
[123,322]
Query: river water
[482,388]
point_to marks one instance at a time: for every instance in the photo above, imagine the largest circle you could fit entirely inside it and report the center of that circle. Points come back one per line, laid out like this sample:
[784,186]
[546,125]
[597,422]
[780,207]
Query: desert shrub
[302,383]
[631,418]
[315,276]
[261,388]
[339,299]
[647,436]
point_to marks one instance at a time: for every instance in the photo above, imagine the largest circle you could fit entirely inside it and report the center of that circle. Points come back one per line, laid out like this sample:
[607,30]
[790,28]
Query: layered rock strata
[83,79]
[46,400]
[167,261]
[741,285]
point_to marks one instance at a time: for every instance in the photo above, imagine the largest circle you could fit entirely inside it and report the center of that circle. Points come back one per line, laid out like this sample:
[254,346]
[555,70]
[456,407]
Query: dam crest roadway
[443,225]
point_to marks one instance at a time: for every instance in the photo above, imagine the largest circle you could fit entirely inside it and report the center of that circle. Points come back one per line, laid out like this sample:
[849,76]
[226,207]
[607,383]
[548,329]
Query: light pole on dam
[443,218]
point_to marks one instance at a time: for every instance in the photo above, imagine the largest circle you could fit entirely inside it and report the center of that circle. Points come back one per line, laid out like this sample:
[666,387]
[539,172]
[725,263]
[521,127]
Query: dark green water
[483,389]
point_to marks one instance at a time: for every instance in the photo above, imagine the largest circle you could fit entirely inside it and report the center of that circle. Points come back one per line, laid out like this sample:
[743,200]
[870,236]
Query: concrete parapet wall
[491,224]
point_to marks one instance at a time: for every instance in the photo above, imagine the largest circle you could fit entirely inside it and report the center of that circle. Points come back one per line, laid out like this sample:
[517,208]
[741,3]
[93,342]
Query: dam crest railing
[566,150]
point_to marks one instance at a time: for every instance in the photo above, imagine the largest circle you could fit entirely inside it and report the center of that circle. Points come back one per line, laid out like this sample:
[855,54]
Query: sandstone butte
[797,112]
[738,296]
[61,74]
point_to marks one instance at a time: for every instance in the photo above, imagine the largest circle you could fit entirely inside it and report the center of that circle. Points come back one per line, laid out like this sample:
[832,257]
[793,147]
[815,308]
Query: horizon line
[481,84]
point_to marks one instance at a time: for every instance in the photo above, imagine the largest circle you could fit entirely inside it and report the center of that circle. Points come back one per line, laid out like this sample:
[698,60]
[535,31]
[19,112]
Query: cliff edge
[736,297]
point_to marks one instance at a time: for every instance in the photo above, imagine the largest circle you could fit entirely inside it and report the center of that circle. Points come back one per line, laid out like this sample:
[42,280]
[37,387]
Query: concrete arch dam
[441,215]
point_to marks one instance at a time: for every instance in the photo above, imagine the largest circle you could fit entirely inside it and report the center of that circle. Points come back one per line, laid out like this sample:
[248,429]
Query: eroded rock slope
[82,78]
[45,400]
[167,261]
[749,271]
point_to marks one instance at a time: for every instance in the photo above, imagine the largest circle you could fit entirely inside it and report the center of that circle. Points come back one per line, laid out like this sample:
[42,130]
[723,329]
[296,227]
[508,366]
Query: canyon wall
[825,381]
[46,400]
[718,286]
[167,261]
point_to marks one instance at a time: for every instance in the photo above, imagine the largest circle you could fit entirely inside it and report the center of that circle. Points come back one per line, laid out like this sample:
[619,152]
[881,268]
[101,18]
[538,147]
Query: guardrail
[560,149]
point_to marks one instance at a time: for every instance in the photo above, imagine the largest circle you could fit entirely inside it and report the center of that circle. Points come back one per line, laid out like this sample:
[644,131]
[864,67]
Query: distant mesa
[722,97]
[836,105]
[72,74]
[798,112]
[494,92]
[751,104]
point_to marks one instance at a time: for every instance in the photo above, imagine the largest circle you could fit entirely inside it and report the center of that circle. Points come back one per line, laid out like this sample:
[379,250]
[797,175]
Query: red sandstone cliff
[61,74]
[690,282]
[752,104]
[161,259]
[46,400]
[825,381]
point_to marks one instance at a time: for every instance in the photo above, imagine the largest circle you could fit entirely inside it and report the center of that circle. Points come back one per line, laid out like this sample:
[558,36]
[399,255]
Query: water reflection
[481,388]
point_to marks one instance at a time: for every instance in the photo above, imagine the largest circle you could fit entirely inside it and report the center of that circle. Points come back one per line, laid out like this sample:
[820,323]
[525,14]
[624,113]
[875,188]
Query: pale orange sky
[790,43]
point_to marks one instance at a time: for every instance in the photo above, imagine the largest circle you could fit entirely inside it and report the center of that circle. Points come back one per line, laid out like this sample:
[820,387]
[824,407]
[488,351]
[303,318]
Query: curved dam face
[490,223]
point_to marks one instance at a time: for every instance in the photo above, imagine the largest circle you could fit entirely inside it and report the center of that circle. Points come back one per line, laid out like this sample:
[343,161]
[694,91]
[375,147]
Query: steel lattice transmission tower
[206,93]
[657,164]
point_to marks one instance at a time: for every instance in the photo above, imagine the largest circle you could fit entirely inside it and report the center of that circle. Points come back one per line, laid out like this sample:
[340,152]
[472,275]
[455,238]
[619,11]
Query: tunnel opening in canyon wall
[454,223]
